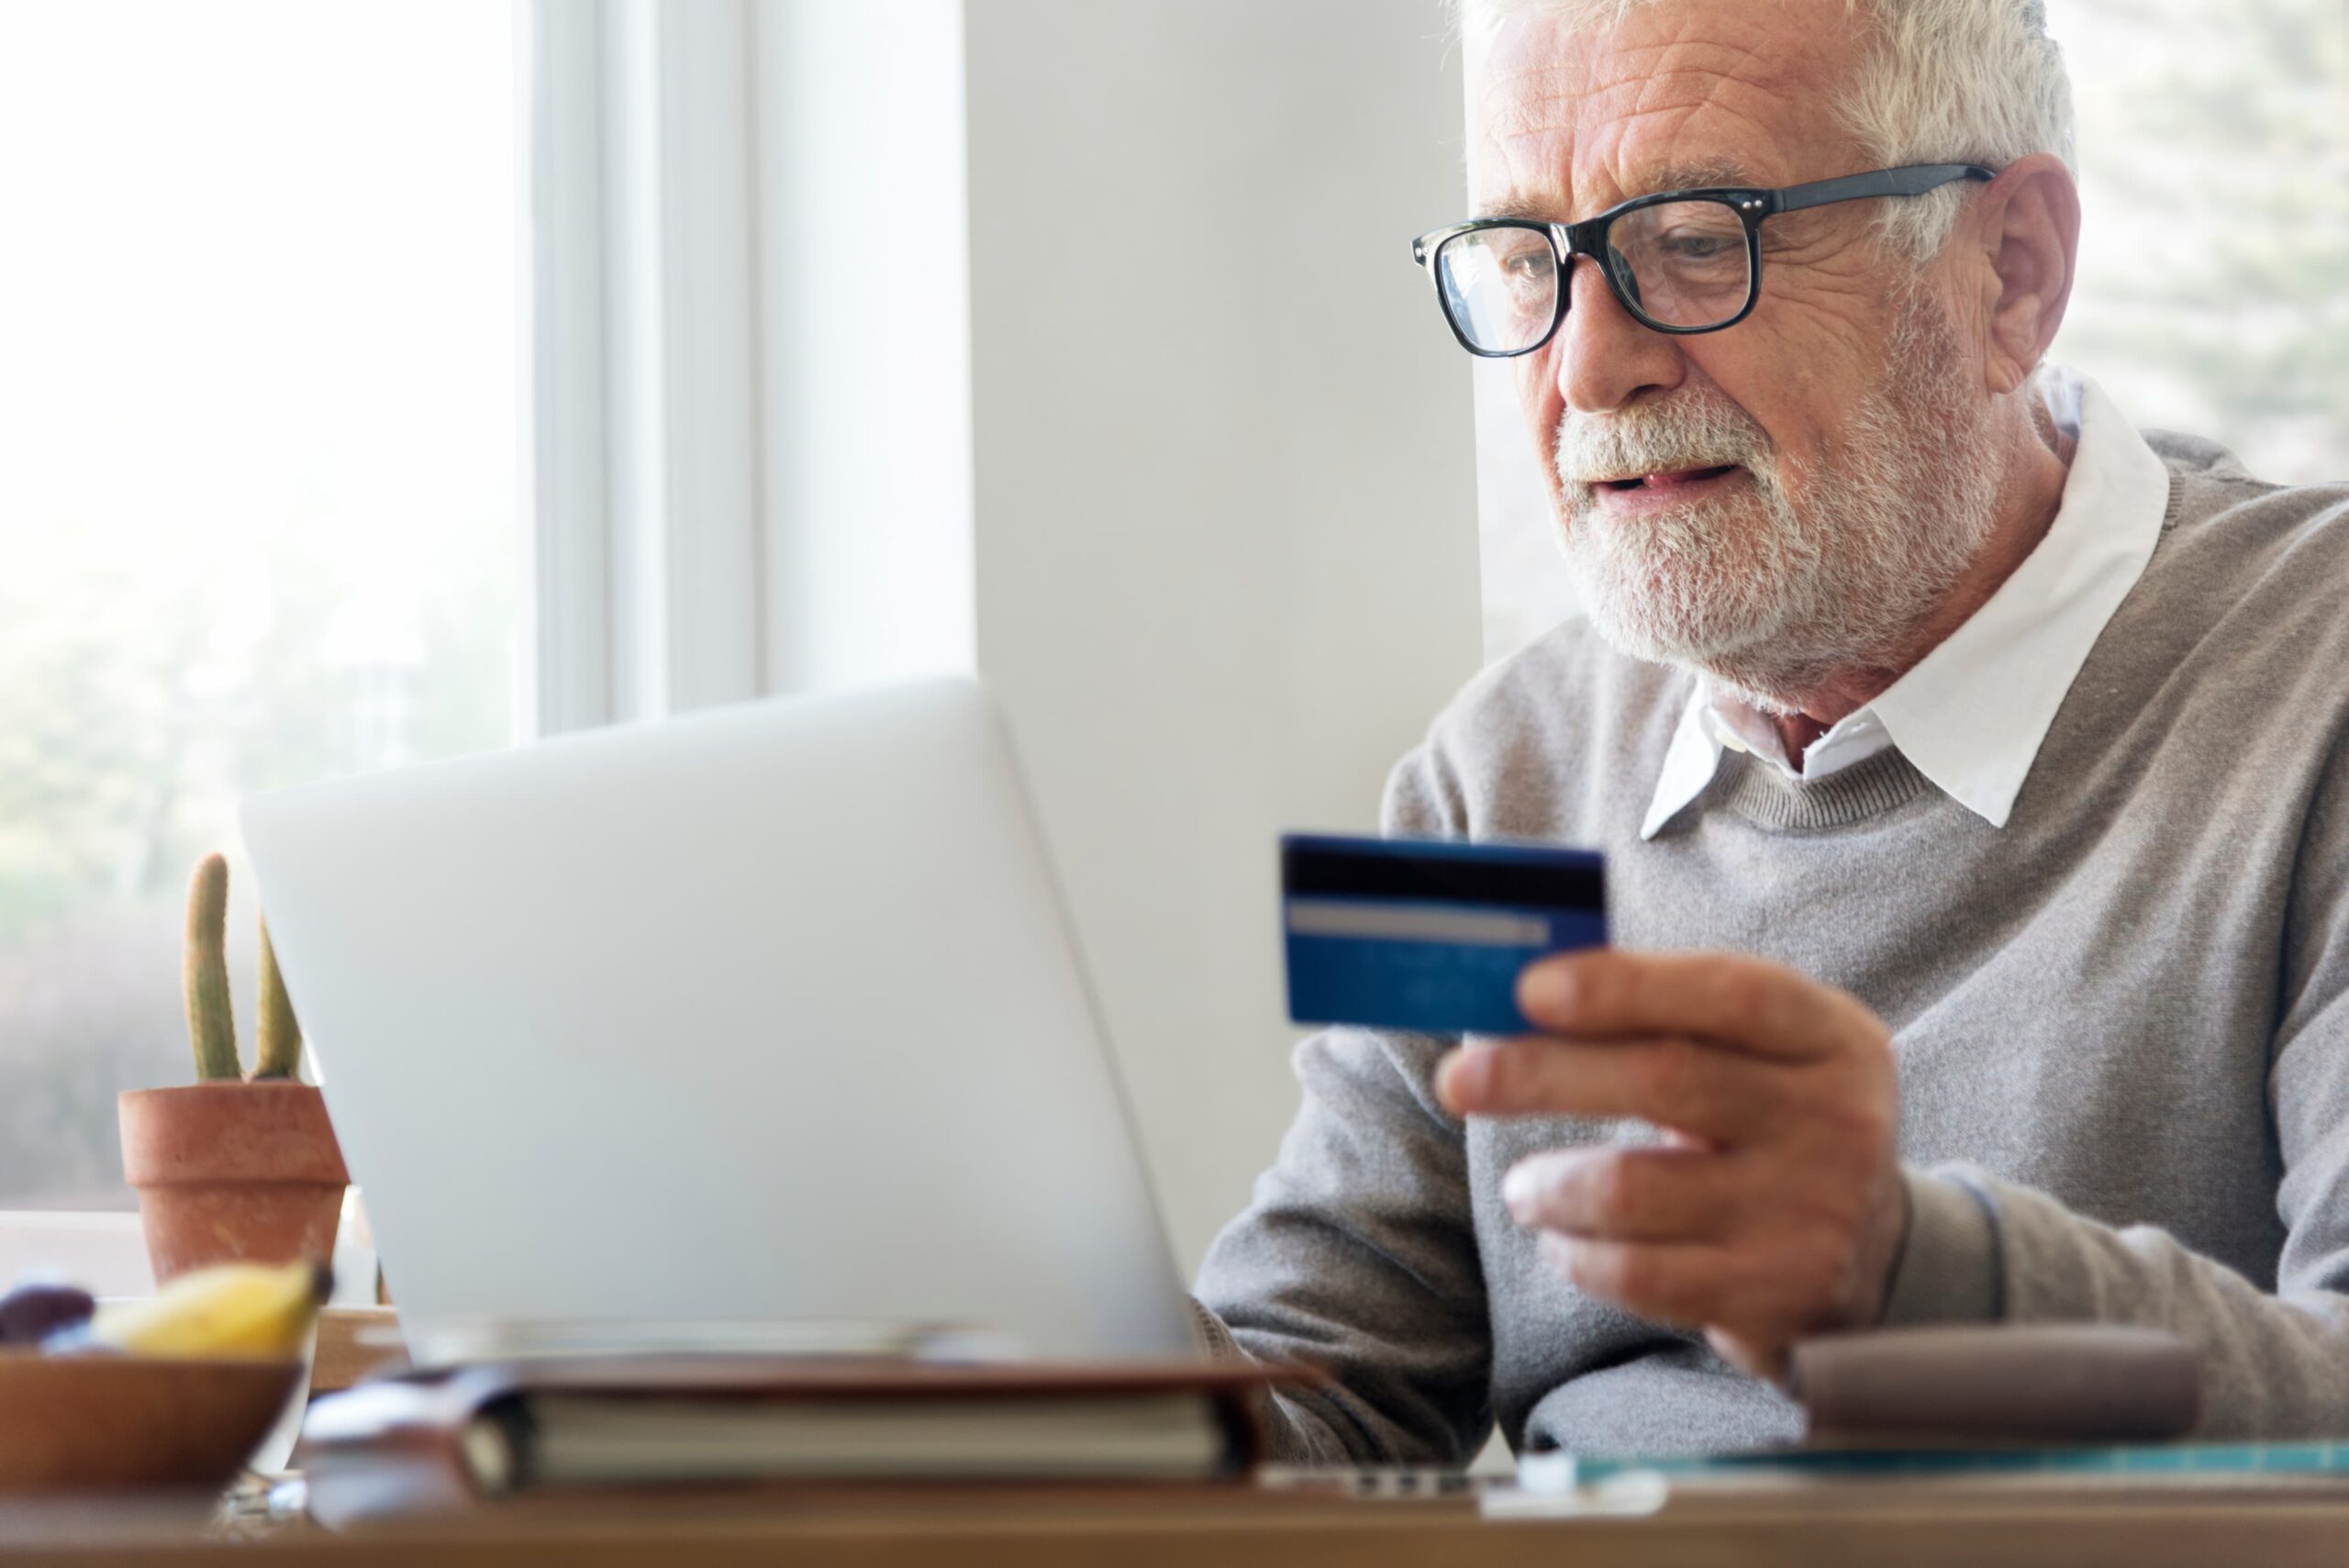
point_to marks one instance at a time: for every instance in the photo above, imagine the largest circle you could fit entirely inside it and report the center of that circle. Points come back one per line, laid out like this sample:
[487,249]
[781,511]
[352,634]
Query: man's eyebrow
[1533,207]
[1701,175]
[1696,176]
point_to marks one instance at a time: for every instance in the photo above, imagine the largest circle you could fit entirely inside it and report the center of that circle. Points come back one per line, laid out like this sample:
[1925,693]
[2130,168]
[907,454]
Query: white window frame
[642,287]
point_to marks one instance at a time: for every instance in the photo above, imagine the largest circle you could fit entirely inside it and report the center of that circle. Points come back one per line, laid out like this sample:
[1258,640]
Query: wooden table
[353,1342]
[2008,1525]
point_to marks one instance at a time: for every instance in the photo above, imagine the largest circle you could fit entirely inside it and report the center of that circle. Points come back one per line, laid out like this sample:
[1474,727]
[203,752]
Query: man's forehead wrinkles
[1566,83]
[1545,77]
[1762,62]
[1530,103]
[1520,117]
[1630,155]
[1728,125]
[1692,105]
[1553,93]
[1727,77]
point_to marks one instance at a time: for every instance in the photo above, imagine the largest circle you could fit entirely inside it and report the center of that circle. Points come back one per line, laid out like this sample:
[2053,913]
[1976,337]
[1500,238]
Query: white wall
[864,330]
[1226,529]
[1092,352]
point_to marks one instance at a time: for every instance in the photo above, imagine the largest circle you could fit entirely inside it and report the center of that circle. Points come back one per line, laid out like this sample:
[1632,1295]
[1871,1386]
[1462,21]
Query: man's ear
[2028,222]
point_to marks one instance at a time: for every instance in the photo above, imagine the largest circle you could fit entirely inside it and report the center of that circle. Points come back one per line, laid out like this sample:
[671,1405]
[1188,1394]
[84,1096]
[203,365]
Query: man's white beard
[1805,572]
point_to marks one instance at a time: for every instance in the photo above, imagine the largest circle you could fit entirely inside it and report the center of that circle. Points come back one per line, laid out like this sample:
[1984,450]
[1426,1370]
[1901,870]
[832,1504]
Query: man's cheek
[1561,495]
[1537,394]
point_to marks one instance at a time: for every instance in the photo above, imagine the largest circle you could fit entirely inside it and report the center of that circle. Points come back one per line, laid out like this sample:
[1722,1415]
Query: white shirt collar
[1971,715]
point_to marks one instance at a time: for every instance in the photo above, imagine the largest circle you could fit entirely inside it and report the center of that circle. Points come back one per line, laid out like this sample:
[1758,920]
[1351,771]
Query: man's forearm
[1294,1433]
[2273,1366]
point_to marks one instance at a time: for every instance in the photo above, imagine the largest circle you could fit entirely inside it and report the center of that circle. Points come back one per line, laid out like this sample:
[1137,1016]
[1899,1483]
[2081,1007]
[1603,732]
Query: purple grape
[31,1313]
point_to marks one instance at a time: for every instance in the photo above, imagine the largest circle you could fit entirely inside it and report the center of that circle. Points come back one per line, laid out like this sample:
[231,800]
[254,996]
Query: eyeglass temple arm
[1912,181]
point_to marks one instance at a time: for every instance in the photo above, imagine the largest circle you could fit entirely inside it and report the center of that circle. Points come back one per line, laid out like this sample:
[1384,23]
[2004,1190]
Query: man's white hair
[1942,81]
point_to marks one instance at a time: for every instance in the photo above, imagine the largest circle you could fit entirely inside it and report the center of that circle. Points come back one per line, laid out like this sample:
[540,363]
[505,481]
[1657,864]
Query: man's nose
[1604,358]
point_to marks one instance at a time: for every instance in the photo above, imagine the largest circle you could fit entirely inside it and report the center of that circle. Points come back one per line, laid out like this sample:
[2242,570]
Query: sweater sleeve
[2274,1365]
[1358,1252]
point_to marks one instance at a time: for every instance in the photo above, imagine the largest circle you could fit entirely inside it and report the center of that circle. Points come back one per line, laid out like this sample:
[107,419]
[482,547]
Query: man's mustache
[1663,438]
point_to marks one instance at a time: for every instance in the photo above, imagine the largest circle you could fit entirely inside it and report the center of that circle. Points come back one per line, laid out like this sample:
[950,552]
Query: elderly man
[1970,770]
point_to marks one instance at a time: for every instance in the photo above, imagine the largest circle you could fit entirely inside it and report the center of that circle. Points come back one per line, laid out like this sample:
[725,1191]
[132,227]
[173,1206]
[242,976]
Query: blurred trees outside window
[259,516]
[2214,274]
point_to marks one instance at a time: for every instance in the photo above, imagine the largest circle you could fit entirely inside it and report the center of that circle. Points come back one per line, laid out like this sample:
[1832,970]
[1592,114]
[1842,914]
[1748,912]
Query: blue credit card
[1428,935]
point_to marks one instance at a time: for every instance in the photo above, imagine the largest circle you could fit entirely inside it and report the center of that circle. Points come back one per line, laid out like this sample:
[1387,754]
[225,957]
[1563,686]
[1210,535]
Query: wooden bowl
[97,1422]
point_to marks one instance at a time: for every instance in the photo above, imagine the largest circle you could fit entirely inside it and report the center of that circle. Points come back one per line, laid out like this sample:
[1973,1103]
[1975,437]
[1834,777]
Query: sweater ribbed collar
[1748,787]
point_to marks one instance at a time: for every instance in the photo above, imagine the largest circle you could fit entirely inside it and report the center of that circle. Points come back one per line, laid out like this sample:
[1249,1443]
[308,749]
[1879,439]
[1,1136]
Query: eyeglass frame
[1751,204]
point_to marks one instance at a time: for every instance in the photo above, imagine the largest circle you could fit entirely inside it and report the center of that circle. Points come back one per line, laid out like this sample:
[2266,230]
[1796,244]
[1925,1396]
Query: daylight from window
[2214,151]
[258,515]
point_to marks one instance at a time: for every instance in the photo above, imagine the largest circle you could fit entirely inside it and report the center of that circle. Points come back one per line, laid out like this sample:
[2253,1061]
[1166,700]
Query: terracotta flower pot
[232,1172]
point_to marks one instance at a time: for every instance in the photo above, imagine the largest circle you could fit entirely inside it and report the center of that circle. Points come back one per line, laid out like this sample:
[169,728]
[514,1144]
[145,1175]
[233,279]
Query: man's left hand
[1773,1209]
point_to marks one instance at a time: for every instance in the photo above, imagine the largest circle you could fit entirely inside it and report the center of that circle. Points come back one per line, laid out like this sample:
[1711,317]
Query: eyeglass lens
[1500,286]
[1680,263]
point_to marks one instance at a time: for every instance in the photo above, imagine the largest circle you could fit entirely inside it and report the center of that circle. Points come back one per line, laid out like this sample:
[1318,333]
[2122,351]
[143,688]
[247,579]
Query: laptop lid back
[769,1013]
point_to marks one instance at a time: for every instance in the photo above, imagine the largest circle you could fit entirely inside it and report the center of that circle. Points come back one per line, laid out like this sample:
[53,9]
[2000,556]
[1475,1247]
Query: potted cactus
[232,1167]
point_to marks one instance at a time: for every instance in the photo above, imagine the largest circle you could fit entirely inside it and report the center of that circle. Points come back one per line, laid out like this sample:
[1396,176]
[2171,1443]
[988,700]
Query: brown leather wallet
[2020,1383]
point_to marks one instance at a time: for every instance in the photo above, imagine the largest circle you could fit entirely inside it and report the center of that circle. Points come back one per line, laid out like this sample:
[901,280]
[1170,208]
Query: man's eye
[1693,247]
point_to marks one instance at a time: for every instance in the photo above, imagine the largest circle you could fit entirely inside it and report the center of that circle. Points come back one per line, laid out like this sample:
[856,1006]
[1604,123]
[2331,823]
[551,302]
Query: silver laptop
[764,1021]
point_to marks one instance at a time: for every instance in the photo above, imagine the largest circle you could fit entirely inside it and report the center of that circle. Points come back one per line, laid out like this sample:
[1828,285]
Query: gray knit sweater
[2121,1023]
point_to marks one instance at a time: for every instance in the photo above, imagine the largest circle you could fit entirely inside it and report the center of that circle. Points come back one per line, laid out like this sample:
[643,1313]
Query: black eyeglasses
[1681,261]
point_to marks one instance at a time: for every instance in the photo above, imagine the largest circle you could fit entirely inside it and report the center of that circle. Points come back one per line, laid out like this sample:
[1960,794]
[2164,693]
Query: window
[2214,152]
[259,516]
[2214,146]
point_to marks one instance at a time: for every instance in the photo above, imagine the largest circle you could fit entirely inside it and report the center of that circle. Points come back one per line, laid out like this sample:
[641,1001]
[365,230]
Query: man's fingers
[1690,1284]
[1745,1003]
[1756,1355]
[1683,1084]
[1684,1283]
[1657,1194]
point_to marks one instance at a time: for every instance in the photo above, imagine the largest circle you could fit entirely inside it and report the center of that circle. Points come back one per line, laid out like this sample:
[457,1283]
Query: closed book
[479,1434]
